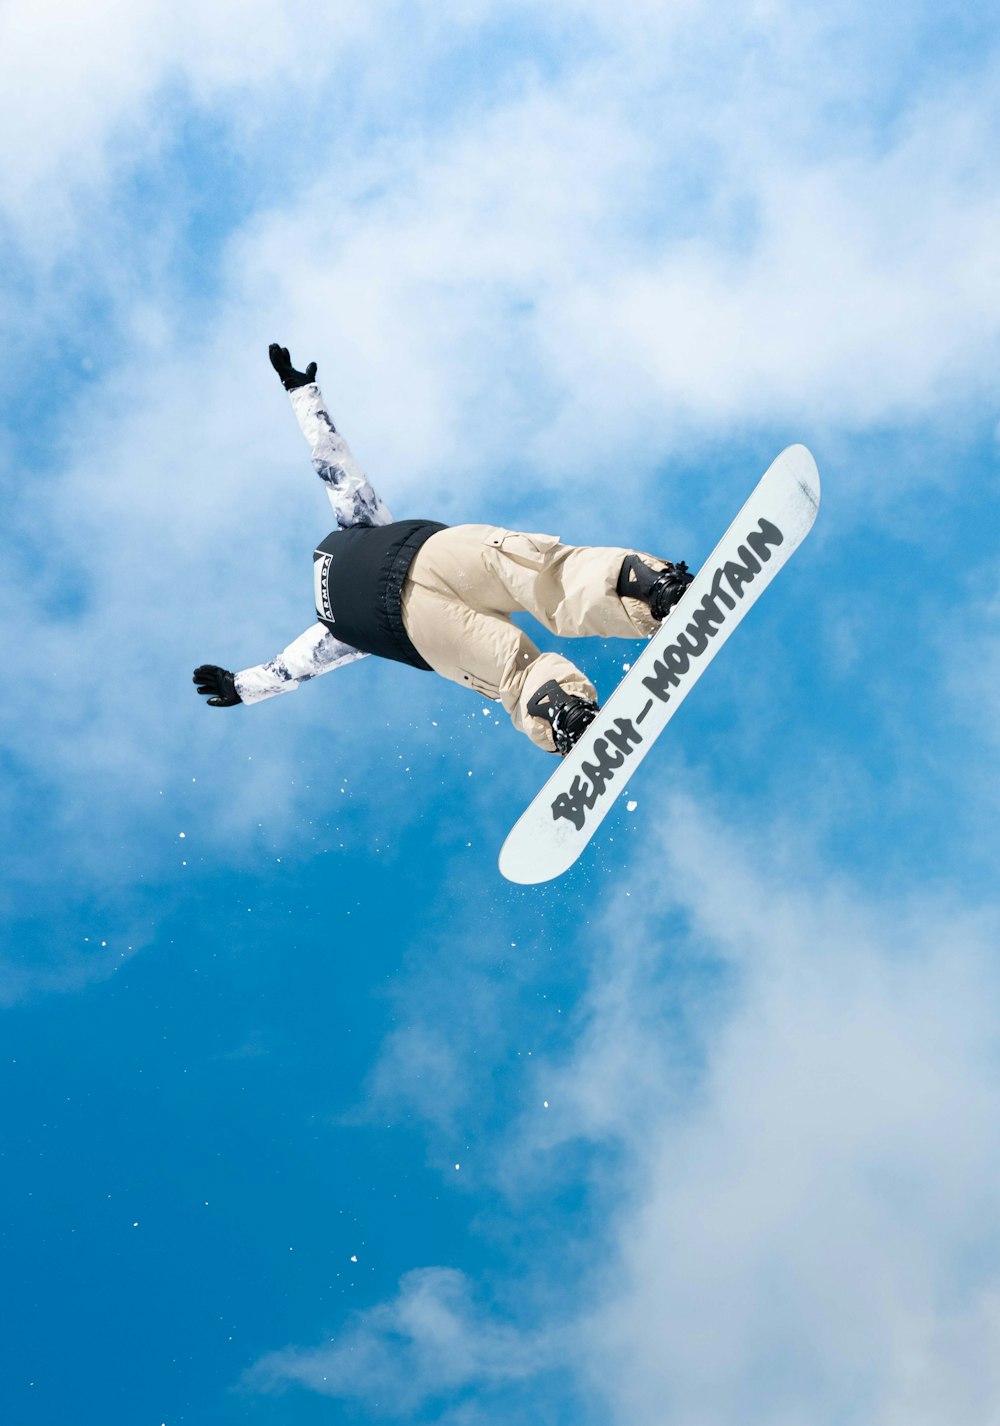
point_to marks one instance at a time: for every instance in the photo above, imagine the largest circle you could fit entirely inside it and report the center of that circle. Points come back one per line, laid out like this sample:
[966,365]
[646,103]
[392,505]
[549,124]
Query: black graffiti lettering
[611,750]
[672,662]
[752,564]
[675,659]
[760,540]
[606,761]
[740,574]
[624,735]
[707,617]
[694,639]
[600,771]
[692,644]
[594,777]
[571,805]
[717,591]
[678,660]
[660,681]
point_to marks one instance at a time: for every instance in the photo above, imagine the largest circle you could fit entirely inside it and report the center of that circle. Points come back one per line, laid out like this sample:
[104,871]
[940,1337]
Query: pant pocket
[524,549]
[478,685]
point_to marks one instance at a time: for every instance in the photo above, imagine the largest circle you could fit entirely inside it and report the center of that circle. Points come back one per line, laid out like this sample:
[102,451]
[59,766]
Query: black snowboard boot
[659,588]
[568,714]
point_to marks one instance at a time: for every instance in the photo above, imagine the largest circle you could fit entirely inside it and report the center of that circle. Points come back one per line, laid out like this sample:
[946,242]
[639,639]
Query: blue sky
[308,1115]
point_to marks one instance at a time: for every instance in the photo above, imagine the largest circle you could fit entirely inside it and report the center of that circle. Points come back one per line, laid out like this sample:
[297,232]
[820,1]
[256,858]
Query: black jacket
[358,575]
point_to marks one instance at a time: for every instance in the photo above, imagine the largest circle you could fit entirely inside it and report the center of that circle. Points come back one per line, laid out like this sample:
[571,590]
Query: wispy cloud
[498,303]
[799,1085]
[433,1339]
[551,260]
[812,1218]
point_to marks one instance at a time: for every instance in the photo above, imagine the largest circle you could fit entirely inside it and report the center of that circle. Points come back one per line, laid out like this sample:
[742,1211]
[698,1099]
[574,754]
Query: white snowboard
[550,835]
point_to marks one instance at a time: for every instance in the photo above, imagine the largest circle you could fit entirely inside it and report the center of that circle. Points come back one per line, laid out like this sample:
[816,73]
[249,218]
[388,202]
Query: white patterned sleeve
[312,653]
[348,488]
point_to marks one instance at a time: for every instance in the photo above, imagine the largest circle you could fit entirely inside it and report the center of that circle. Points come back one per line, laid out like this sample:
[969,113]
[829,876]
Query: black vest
[358,575]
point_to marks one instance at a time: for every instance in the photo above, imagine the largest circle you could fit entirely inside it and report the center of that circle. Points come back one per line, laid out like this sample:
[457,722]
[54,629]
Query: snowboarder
[440,597]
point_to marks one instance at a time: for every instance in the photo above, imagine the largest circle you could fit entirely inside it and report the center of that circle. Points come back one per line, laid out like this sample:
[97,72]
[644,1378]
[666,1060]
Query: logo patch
[321,585]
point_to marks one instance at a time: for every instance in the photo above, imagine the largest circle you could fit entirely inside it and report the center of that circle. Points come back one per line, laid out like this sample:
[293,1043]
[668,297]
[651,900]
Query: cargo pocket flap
[526,549]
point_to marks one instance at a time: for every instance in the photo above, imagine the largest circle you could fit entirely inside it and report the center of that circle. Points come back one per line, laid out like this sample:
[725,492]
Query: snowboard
[549,836]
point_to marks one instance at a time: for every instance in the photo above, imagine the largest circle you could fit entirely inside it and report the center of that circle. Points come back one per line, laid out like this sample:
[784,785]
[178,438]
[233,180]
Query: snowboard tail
[553,831]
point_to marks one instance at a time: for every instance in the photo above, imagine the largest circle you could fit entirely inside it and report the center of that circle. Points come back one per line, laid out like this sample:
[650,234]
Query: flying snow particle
[626,667]
[182,834]
[457,1167]
[631,806]
[354,1257]
[545,1104]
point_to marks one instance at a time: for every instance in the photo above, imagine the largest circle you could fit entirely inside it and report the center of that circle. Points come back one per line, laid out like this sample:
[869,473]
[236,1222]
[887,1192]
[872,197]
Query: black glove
[218,685]
[282,363]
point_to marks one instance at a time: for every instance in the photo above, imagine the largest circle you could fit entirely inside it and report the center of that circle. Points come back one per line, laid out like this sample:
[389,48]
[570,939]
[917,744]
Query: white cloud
[79,85]
[808,1233]
[971,657]
[527,300]
[575,286]
[811,1236]
[431,1339]
[702,216]
[659,227]
[797,1221]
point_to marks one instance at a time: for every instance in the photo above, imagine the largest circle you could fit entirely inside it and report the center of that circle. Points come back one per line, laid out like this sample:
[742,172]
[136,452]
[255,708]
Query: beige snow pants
[466,581]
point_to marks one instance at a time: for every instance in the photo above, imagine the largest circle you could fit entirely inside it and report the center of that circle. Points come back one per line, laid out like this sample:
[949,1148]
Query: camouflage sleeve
[312,653]
[350,492]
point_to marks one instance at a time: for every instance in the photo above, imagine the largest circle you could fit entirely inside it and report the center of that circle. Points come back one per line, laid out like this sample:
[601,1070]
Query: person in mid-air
[440,597]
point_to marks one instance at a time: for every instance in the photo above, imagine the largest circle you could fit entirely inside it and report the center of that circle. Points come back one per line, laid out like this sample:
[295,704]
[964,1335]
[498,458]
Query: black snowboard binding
[568,715]
[659,588]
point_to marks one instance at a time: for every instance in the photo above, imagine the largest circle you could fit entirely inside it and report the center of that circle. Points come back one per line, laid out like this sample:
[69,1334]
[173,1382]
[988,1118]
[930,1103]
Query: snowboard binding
[568,715]
[660,589]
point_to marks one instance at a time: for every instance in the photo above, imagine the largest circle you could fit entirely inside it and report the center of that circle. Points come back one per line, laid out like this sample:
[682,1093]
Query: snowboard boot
[568,714]
[659,588]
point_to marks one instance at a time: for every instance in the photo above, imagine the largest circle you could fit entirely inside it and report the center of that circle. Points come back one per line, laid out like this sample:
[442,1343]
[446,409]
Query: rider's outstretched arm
[350,492]
[312,653]
[354,502]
